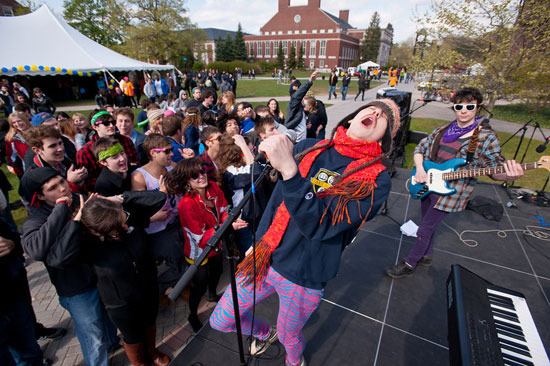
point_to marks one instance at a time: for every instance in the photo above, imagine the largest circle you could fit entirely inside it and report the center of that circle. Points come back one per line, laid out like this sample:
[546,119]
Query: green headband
[112,151]
[99,114]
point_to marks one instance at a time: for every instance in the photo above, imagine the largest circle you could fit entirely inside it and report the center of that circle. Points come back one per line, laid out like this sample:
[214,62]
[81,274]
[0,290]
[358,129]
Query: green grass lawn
[533,179]
[269,88]
[521,113]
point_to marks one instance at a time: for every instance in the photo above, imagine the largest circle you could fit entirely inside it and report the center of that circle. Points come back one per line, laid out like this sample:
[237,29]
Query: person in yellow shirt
[393,80]
[128,89]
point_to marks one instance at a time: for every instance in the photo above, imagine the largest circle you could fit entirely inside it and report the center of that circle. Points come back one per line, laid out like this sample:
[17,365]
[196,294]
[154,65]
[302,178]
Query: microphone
[542,147]
[292,136]
[426,100]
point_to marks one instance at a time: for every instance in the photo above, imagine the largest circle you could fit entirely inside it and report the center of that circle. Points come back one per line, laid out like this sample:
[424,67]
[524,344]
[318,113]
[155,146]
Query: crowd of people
[107,204]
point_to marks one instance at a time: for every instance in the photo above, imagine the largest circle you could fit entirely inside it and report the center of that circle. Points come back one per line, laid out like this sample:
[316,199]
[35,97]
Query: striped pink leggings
[296,304]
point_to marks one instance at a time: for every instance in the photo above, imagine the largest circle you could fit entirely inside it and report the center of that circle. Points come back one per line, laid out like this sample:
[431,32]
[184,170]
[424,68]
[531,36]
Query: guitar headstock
[544,162]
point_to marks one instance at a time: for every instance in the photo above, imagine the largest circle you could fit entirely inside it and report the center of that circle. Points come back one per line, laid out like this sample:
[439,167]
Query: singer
[468,131]
[328,190]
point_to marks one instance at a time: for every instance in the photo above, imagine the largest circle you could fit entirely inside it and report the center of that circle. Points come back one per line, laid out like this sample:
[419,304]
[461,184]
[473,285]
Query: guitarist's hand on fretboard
[512,171]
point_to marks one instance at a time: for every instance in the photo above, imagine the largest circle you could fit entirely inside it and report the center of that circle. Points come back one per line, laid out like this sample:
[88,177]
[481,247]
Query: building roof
[215,33]
[338,20]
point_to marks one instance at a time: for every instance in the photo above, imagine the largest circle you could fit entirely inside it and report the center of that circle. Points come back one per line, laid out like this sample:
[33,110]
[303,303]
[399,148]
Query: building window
[259,49]
[303,47]
[322,31]
[304,32]
[314,31]
[294,45]
[285,48]
[330,30]
[280,32]
[275,48]
[289,32]
[267,48]
[323,48]
[321,63]
[312,64]
[251,49]
[312,48]
[296,32]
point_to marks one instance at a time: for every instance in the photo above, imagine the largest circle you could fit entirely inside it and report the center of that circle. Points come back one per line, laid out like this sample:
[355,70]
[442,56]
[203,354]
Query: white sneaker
[258,346]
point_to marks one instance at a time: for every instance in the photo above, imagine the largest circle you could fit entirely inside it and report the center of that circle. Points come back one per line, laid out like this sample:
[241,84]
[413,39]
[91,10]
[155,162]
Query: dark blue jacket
[309,253]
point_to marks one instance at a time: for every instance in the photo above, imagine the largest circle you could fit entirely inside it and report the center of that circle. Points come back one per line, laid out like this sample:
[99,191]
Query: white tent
[41,43]
[366,65]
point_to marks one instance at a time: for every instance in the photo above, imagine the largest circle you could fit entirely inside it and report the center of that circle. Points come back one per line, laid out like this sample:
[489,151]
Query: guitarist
[466,133]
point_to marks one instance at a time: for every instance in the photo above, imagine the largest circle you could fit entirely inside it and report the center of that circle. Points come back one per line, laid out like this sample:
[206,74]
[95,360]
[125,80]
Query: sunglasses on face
[219,138]
[197,174]
[127,215]
[167,150]
[469,107]
[107,123]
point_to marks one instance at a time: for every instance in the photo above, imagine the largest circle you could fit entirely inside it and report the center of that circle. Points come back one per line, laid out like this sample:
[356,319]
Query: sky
[254,14]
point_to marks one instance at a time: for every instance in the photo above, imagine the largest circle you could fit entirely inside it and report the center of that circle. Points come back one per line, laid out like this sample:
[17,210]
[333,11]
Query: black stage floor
[366,318]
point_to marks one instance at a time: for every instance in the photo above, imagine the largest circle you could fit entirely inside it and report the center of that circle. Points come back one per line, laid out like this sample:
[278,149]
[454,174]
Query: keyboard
[490,325]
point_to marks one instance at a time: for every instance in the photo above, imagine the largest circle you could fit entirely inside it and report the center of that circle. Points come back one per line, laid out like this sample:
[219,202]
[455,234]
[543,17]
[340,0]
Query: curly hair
[229,154]
[177,179]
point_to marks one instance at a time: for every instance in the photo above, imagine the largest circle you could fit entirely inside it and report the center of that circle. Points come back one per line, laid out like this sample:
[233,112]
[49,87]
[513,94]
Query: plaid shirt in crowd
[487,155]
[209,165]
[85,157]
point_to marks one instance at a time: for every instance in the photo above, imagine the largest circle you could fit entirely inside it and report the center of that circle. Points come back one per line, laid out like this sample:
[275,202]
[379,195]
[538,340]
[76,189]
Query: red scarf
[355,186]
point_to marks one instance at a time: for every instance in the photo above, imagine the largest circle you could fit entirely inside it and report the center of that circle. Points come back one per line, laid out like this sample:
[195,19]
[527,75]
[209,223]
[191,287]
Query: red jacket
[16,148]
[198,221]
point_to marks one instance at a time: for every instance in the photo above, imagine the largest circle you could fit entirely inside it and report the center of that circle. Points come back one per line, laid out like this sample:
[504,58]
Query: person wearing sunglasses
[104,125]
[443,144]
[164,229]
[202,208]
[125,267]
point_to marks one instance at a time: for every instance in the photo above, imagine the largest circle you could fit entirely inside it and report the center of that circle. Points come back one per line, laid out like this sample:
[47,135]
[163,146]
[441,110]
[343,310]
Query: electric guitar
[439,174]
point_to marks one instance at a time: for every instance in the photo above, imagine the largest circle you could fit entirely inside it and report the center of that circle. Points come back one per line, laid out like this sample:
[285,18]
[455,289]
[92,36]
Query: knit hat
[39,118]
[169,112]
[153,114]
[32,182]
[391,110]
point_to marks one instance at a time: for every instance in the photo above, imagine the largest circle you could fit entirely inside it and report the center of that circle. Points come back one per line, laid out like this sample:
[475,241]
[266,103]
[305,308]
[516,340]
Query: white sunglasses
[470,107]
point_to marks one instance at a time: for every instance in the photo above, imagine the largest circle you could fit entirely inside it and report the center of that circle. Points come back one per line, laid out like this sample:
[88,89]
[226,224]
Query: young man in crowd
[345,85]
[197,98]
[247,116]
[207,101]
[165,228]
[210,137]
[171,128]
[301,233]
[114,178]
[445,143]
[104,126]
[332,81]
[47,146]
[125,124]
[47,119]
[49,236]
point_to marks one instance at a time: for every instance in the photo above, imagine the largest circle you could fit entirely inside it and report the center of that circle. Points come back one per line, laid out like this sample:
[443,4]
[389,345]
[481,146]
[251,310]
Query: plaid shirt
[85,157]
[209,165]
[487,155]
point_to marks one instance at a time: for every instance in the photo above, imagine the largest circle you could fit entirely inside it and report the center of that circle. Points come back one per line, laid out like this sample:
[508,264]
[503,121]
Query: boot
[135,353]
[158,358]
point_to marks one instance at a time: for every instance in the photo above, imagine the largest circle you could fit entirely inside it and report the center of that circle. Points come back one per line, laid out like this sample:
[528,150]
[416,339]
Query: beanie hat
[391,110]
[39,118]
[32,182]
[169,112]
[153,114]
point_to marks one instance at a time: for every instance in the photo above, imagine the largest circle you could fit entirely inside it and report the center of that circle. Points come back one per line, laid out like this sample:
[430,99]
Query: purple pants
[296,304]
[431,217]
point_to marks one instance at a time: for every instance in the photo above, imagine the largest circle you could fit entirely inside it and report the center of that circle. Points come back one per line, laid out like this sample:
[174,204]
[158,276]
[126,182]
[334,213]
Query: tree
[371,42]
[100,20]
[401,53]
[300,61]
[280,56]
[292,58]
[507,40]
[159,30]
[239,45]
[229,49]
[220,49]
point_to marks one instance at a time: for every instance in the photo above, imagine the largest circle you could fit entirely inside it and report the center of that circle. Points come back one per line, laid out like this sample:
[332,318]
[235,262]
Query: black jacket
[126,268]
[111,184]
[294,109]
[50,236]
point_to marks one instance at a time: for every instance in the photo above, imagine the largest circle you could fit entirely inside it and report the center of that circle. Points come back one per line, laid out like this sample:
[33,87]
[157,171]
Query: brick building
[326,40]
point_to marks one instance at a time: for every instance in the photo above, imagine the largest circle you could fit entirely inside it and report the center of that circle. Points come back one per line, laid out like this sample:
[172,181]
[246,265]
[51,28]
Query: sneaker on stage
[257,347]
[400,270]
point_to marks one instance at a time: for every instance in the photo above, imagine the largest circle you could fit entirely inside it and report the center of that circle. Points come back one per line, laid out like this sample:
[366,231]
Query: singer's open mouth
[368,122]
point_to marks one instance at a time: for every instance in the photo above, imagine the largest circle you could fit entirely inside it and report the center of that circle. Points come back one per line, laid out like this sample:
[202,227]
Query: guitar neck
[474,173]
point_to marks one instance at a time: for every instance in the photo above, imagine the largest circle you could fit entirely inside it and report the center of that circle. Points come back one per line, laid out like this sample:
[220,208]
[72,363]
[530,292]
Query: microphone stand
[210,245]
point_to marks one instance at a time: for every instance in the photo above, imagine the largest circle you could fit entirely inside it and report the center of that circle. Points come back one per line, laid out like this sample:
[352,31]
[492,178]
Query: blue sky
[254,14]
